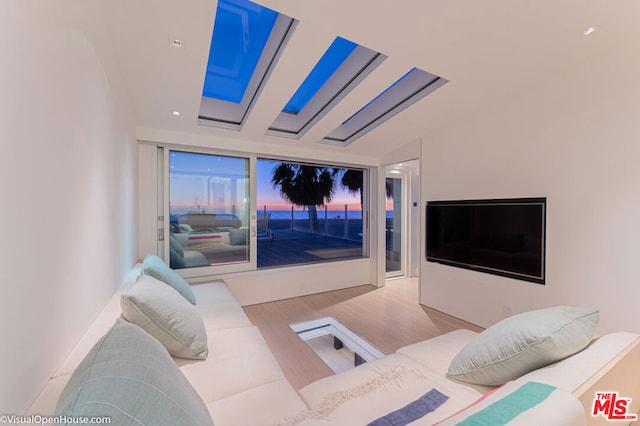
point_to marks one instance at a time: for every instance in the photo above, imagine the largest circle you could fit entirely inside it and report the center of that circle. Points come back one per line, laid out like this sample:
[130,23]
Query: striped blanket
[415,410]
[515,403]
[521,403]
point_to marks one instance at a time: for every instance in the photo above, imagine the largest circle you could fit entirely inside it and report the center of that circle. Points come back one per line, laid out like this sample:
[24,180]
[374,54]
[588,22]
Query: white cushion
[363,394]
[213,292]
[436,353]
[223,315]
[268,404]
[239,360]
[523,343]
[167,316]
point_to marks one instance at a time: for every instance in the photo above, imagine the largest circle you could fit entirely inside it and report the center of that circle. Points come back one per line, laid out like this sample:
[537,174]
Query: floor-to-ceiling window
[232,213]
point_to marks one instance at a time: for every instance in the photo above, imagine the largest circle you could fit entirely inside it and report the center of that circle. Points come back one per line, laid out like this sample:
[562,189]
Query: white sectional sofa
[241,383]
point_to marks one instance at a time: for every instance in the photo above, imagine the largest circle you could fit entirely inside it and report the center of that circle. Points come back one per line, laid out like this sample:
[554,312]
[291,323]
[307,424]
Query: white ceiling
[487,49]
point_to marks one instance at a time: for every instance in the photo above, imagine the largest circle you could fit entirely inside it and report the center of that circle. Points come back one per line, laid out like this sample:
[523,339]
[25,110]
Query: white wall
[574,139]
[267,285]
[68,186]
[416,235]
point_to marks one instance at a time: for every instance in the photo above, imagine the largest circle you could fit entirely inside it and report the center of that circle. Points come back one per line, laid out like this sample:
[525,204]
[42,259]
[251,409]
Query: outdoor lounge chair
[263,231]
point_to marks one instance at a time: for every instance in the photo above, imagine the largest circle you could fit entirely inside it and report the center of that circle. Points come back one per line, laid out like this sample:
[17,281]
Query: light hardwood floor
[389,317]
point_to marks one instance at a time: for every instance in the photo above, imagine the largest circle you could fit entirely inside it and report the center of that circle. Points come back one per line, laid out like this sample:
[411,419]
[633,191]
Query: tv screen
[500,236]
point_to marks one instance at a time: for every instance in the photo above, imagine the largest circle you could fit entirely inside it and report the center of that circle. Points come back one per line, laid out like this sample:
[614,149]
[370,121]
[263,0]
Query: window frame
[215,112]
[404,92]
[220,269]
[361,62]
[251,265]
[366,204]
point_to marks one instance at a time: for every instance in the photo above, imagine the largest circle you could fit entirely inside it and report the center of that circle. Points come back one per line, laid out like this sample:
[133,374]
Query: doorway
[402,219]
[394,238]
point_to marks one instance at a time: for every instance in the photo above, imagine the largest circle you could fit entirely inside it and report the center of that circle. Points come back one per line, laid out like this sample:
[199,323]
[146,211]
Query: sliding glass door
[209,211]
[395,235]
[221,212]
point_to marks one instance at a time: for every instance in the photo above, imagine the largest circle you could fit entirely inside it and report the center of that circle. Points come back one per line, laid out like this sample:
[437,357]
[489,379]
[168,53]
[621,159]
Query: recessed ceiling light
[176,113]
[589,31]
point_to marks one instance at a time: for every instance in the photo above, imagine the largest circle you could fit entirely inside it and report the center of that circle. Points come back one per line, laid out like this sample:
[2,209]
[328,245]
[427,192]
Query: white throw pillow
[162,312]
[523,343]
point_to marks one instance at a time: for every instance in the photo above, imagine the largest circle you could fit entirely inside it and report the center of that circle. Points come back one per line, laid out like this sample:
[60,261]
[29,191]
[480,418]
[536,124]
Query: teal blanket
[508,408]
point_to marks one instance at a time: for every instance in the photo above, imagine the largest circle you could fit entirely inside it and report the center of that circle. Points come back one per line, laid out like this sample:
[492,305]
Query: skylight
[246,42]
[335,55]
[341,68]
[240,32]
[407,90]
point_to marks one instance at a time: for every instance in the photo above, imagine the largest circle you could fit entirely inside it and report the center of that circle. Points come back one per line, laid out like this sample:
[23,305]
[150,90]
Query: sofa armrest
[584,367]
[618,375]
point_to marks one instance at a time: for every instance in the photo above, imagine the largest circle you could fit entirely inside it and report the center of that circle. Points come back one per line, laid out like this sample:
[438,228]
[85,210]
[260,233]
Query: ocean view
[304,214]
[298,214]
[281,220]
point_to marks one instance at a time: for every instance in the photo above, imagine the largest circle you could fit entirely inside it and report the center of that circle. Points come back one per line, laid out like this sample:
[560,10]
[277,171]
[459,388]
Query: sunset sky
[269,196]
[191,174]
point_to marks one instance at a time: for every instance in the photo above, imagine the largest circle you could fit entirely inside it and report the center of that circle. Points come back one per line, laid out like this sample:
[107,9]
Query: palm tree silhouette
[305,185]
[352,180]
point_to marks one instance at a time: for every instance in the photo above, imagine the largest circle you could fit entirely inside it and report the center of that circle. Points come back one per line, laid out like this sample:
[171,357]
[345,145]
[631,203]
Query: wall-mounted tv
[499,236]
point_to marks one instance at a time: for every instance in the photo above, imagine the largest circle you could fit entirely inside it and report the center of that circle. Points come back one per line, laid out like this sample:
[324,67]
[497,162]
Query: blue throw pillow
[155,267]
[129,377]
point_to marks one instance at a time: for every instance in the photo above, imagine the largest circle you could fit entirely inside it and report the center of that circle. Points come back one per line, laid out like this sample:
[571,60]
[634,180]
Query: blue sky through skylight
[330,61]
[240,33]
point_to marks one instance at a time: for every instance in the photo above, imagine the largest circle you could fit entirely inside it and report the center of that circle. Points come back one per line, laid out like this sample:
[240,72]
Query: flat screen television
[499,236]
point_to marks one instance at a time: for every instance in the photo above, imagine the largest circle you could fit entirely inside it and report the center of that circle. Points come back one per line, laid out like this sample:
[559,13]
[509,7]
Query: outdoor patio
[297,247]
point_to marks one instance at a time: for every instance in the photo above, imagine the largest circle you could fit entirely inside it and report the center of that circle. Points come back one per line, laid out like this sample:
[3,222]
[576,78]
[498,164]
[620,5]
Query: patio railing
[345,224]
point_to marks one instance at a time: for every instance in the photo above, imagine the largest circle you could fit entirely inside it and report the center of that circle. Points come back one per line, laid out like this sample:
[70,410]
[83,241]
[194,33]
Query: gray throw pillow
[166,315]
[523,343]
[130,378]
[155,267]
